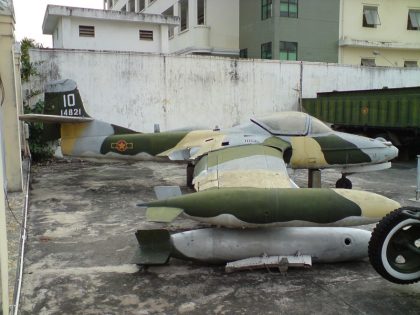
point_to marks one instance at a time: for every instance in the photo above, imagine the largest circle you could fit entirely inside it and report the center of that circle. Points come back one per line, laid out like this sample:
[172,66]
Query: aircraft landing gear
[190,175]
[344,182]
[394,248]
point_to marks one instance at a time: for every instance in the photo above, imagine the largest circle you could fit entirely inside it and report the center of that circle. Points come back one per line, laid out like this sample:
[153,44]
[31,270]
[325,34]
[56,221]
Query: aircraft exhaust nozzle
[155,247]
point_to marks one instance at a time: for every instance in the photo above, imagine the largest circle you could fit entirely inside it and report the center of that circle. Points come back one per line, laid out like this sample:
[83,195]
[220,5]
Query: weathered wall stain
[140,90]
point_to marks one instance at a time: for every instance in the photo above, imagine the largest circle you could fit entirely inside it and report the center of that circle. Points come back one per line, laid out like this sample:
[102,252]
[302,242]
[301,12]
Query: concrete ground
[82,220]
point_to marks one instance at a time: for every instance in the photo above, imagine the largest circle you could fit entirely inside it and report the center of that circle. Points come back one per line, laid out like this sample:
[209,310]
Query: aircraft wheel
[190,175]
[344,182]
[394,248]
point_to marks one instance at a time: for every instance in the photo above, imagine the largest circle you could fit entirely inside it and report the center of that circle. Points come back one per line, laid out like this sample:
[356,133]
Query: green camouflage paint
[336,150]
[133,144]
[264,206]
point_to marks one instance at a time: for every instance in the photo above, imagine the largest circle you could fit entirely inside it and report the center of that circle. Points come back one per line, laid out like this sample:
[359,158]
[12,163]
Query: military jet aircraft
[304,141]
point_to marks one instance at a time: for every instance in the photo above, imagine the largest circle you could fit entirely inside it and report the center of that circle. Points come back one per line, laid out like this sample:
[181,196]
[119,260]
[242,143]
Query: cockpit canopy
[291,124]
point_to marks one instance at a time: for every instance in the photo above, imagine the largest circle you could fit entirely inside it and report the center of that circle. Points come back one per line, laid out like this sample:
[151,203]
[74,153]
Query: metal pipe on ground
[23,236]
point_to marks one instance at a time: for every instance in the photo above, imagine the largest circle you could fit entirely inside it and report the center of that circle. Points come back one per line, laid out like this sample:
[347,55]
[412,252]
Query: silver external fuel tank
[220,245]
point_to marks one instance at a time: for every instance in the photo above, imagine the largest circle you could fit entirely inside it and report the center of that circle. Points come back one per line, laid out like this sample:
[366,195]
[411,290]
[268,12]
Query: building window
[266,51]
[410,64]
[243,53]
[288,51]
[142,5]
[201,12]
[131,6]
[289,8]
[86,31]
[368,62]
[145,35]
[183,10]
[371,17]
[413,22]
[266,9]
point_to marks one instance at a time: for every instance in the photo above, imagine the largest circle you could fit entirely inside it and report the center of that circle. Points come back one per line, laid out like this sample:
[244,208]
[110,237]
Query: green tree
[28,68]
[39,146]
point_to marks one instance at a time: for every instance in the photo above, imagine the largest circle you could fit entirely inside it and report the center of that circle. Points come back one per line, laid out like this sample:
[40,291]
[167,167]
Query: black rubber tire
[378,242]
[344,182]
[190,175]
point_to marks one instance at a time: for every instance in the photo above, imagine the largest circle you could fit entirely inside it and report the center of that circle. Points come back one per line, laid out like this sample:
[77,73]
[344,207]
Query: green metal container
[385,108]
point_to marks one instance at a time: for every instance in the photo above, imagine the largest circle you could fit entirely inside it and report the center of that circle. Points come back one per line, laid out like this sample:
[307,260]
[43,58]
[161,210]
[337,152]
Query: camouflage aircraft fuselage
[317,151]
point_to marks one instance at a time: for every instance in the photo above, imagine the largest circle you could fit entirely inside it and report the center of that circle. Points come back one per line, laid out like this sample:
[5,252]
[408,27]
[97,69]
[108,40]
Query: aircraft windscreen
[318,126]
[284,123]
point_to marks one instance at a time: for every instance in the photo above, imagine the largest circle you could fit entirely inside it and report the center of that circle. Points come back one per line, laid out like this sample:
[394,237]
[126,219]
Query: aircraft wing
[256,166]
[53,118]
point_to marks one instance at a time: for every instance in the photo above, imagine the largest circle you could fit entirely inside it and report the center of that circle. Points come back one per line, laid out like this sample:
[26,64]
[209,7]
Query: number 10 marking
[69,100]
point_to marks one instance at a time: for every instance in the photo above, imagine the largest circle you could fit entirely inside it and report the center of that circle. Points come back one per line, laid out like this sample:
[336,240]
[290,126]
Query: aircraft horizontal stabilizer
[165,192]
[162,214]
[155,247]
[53,118]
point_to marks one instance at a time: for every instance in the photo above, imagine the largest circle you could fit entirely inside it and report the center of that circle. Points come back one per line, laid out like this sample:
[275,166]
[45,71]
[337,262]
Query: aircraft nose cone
[390,151]
[393,152]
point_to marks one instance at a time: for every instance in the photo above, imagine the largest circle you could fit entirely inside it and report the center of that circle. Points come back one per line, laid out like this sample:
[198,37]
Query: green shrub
[40,148]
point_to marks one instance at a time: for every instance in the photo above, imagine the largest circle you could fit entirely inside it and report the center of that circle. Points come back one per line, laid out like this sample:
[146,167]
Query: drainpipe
[301,86]
[340,30]
[418,178]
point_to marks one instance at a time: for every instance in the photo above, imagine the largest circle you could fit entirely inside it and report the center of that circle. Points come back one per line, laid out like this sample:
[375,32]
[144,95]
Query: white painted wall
[109,35]
[138,90]
[219,35]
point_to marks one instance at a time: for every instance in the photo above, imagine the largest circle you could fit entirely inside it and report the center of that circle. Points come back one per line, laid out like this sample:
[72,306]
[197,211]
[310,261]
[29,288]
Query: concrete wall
[138,90]
[11,106]
[383,57]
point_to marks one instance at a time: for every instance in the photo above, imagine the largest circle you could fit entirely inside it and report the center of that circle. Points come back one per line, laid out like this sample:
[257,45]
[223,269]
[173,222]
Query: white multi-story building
[206,26]
[79,28]
[380,32]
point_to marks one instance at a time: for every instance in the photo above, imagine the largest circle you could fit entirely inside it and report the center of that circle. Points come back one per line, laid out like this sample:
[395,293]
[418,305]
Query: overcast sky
[30,15]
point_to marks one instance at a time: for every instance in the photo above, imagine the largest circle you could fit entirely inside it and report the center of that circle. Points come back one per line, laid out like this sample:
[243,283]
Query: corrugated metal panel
[396,108]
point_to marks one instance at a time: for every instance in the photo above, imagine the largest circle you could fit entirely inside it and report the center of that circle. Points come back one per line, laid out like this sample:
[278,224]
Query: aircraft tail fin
[162,214]
[154,247]
[62,98]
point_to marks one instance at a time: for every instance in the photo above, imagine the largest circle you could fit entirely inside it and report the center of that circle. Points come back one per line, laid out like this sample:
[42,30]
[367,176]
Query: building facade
[209,27]
[380,33]
[289,29]
[79,28]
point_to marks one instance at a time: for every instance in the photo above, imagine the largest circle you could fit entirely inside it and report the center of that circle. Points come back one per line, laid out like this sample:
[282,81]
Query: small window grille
[410,64]
[243,53]
[368,62]
[146,35]
[86,31]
